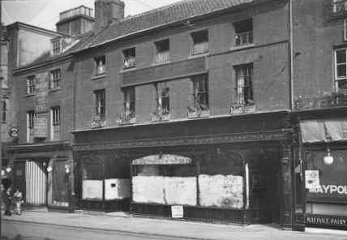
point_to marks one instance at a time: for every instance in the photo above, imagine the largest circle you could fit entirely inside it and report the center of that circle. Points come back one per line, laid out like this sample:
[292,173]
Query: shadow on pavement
[19,237]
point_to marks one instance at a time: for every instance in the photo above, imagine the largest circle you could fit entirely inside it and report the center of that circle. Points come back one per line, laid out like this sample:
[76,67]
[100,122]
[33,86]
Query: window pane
[341,70]
[341,56]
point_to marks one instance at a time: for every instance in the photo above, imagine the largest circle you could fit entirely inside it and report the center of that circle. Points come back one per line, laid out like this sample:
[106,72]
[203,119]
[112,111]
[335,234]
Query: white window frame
[55,78]
[55,123]
[337,79]
[30,126]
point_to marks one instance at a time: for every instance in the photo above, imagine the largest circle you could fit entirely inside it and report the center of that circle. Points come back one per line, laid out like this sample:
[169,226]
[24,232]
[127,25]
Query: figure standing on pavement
[18,199]
[7,201]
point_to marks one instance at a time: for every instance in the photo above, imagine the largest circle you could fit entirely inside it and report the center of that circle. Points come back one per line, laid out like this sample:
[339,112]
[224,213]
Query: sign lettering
[326,220]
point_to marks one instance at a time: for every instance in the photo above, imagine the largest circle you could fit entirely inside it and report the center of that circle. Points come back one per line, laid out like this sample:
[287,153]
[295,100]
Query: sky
[45,13]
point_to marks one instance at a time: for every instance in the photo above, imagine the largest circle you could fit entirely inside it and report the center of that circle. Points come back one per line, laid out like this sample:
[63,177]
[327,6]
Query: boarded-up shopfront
[233,169]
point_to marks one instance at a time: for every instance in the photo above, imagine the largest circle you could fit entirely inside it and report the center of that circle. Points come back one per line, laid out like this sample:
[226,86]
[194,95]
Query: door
[36,182]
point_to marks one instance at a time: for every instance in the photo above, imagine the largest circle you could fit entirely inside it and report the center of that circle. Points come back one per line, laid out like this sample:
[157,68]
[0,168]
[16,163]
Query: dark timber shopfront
[229,169]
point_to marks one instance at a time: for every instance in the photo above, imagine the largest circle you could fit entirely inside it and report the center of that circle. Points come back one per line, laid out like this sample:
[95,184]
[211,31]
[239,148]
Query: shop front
[321,173]
[42,172]
[230,169]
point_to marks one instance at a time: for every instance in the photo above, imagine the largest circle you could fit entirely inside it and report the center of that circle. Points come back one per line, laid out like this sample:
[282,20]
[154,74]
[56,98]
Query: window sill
[199,114]
[55,89]
[30,94]
[98,76]
[199,55]
[244,109]
[161,63]
[127,69]
[241,47]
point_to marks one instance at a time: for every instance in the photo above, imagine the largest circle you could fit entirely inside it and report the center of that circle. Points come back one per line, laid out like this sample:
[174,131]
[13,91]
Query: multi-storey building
[187,106]
[214,110]
[319,116]
[42,79]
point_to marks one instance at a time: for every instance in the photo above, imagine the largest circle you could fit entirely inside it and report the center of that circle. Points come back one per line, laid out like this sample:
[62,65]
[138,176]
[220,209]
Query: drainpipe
[291,54]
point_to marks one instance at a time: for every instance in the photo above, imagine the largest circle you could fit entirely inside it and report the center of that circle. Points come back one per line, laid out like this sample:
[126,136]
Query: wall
[316,32]
[269,53]
[62,97]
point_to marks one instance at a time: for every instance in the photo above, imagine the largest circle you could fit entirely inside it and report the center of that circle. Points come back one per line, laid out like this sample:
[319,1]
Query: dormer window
[129,57]
[243,32]
[200,42]
[100,65]
[56,46]
[162,51]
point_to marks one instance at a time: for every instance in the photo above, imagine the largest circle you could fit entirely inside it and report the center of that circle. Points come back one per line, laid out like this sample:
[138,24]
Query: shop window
[55,79]
[55,123]
[100,104]
[340,69]
[199,98]
[30,126]
[243,32]
[92,181]
[200,42]
[31,85]
[244,88]
[129,57]
[100,65]
[162,51]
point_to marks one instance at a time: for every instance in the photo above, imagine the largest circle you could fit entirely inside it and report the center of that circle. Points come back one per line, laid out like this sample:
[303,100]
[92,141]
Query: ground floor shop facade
[321,169]
[232,169]
[43,173]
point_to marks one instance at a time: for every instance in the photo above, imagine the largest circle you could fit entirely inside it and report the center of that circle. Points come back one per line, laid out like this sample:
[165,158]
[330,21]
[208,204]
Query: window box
[160,115]
[127,117]
[238,108]
[198,110]
[97,122]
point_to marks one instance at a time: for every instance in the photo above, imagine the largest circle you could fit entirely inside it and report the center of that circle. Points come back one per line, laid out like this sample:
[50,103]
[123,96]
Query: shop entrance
[265,188]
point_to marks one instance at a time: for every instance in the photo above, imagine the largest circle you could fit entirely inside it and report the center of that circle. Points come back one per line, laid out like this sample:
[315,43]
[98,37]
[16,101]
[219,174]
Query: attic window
[162,51]
[100,65]
[129,57]
[56,46]
[243,32]
[200,42]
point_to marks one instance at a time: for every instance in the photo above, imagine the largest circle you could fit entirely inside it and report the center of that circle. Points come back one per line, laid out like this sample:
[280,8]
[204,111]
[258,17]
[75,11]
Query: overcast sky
[45,13]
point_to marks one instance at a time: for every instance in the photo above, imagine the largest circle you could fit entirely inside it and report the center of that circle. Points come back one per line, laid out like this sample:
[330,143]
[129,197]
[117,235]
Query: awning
[164,159]
[323,130]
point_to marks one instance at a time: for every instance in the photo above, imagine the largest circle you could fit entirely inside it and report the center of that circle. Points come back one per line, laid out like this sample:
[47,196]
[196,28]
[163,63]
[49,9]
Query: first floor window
[100,104]
[30,126]
[55,123]
[163,97]
[244,89]
[31,88]
[340,69]
[200,92]
[129,99]
[55,79]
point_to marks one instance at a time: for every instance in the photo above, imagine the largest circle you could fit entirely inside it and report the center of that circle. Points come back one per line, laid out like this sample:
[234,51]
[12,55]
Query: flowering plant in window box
[239,108]
[160,114]
[198,110]
[126,117]
[97,122]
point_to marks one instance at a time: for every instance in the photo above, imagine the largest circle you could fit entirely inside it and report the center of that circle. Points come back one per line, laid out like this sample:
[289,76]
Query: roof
[166,15]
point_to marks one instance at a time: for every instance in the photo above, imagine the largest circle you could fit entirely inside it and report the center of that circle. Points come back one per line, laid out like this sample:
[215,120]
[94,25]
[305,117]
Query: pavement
[126,223]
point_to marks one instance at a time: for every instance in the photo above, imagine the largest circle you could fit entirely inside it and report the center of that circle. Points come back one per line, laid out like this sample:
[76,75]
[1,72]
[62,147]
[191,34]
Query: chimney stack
[107,11]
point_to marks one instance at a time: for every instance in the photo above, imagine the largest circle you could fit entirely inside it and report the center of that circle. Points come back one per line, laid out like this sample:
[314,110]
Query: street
[20,230]
[34,231]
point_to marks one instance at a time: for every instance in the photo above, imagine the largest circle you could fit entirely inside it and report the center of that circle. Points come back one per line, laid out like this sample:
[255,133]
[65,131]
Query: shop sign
[40,126]
[177,211]
[164,159]
[325,220]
